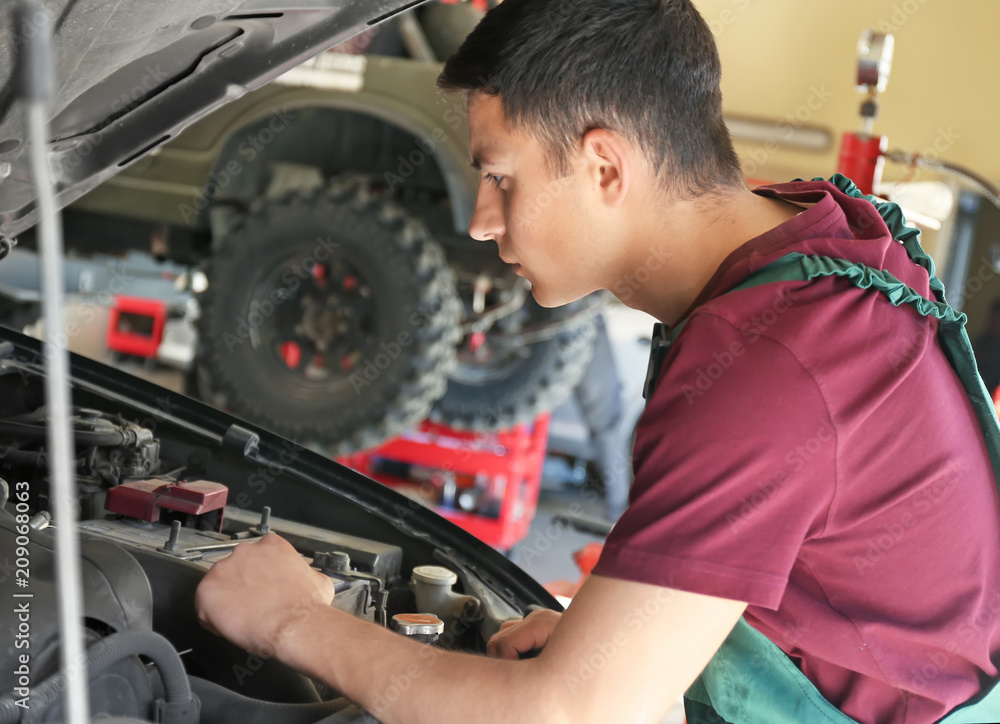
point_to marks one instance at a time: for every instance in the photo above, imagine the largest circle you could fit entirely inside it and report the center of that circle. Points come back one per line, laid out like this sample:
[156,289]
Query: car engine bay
[166,488]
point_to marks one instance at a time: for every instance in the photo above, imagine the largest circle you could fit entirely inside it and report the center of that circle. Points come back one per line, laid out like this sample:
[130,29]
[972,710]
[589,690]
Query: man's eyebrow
[479,160]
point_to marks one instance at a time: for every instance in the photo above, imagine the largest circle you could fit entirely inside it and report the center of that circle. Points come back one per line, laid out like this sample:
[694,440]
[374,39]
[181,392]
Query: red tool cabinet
[486,483]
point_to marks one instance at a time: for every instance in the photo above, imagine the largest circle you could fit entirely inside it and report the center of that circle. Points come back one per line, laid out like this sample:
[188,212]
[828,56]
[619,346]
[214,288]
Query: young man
[808,460]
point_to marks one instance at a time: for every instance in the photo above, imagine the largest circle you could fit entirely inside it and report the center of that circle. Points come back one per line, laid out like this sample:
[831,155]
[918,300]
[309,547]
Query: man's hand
[523,635]
[260,593]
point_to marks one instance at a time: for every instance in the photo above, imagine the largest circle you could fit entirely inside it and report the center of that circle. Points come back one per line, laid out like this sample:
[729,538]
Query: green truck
[328,211]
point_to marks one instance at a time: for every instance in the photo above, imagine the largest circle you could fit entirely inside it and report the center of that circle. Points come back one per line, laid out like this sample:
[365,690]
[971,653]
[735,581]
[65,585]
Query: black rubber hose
[23,457]
[219,705]
[101,655]
[84,437]
[37,415]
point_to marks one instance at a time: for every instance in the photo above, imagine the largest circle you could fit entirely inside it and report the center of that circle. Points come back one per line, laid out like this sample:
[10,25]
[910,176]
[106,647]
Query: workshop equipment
[862,154]
[135,326]
[485,482]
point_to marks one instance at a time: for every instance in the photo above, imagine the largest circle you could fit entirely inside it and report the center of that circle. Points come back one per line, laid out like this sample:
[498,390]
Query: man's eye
[494,178]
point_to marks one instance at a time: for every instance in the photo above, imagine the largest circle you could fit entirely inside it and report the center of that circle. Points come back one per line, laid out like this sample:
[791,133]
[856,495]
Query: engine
[159,506]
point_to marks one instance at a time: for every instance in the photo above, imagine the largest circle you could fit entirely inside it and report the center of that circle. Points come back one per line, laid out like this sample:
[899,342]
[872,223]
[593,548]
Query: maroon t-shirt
[808,449]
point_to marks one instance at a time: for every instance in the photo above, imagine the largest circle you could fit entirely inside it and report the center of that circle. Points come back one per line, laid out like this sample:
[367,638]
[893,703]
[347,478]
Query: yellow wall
[778,56]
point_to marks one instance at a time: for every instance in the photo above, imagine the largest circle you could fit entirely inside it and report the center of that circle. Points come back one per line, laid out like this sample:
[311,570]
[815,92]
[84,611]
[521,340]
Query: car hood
[131,74]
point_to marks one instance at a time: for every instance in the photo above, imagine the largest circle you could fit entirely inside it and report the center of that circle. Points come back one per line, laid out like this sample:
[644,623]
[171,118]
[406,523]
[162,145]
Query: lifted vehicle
[329,210]
[162,485]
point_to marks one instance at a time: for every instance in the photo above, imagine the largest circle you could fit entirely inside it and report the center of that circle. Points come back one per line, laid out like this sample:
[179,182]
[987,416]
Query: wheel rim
[312,336]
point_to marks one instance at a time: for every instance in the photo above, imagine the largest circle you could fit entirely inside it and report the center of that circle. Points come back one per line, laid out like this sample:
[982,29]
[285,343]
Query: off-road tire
[521,382]
[410,318]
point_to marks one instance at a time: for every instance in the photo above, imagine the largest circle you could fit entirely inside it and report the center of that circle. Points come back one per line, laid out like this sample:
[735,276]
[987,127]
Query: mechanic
[791,468]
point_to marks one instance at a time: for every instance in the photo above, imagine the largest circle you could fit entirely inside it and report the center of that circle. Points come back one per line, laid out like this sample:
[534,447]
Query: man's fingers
[514,641]
[518,637]
[508,624]
[491,645]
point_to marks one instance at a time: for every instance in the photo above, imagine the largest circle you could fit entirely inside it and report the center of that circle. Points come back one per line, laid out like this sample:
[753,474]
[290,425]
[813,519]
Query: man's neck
[693,238]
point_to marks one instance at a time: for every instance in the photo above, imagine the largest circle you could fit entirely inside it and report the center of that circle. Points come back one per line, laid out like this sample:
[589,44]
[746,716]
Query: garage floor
[547,552]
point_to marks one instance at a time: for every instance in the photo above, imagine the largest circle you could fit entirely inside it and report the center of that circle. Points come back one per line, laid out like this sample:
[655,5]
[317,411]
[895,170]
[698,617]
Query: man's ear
[608,160]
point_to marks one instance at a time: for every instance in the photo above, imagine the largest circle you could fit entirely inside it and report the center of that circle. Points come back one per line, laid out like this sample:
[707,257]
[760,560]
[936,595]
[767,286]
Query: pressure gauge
[874,60]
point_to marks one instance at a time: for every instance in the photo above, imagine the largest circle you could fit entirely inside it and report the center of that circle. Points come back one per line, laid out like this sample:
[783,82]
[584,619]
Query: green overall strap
[750,679]
[951,329]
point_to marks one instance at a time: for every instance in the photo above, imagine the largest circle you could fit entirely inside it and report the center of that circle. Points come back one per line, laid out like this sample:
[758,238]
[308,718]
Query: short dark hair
[648,69]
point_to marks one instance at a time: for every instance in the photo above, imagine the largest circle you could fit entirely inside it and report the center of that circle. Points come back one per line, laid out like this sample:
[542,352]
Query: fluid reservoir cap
[435,575]
[417,624]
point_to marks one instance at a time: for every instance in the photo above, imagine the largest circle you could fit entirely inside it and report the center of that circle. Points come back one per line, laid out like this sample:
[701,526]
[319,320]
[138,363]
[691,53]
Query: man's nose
[487,216]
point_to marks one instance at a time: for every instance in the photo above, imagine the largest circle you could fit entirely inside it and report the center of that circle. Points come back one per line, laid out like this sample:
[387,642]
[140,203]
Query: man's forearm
[604,660]
[401,681]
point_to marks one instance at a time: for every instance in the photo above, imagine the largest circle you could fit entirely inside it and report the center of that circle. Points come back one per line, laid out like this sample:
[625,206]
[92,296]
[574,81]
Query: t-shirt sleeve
[735,467]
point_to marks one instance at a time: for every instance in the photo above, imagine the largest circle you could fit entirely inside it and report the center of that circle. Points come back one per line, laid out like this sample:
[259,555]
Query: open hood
[166,486]
[131,74]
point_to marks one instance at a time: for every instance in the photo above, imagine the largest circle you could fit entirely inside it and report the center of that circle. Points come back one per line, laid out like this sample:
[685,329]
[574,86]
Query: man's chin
[550,300]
